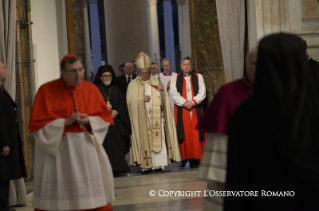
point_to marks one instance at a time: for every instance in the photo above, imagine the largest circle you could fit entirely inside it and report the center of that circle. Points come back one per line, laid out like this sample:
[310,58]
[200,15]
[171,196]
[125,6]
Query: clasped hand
[81,119]
[189,105]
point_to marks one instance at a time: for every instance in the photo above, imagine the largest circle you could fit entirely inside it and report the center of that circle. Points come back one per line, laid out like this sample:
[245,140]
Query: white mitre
[143,61]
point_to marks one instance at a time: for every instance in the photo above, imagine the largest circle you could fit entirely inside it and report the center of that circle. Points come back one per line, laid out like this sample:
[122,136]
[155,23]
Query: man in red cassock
[69,120]
[188,91]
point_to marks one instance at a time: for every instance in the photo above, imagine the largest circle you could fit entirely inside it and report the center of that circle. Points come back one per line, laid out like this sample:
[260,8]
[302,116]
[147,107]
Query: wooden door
[25,79]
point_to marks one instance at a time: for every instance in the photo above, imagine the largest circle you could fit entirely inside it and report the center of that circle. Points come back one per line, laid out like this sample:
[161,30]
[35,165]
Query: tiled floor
[133,192]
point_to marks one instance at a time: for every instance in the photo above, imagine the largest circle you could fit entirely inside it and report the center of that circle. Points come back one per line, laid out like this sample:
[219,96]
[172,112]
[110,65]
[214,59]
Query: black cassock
[116,142]
[11,167]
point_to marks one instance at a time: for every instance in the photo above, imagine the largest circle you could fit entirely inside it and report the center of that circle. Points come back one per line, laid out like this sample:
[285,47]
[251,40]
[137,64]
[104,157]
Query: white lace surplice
[72,172]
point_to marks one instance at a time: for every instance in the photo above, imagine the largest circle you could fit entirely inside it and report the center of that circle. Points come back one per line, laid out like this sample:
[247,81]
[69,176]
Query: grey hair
[166,59]
[128,63]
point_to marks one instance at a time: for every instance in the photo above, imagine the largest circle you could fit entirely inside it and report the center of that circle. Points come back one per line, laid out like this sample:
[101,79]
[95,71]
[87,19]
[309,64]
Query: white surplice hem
[72,172]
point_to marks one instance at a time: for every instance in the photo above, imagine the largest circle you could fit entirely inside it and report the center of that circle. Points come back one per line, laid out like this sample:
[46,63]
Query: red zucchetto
[67,57]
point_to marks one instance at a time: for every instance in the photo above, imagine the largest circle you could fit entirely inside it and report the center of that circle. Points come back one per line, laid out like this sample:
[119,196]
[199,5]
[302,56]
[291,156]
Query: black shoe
[193,163]
[194,166]
[147,171]
[157,170]
[12,209]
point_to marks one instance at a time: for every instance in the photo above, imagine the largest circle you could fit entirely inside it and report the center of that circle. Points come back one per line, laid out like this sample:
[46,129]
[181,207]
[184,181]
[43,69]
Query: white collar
[129,76]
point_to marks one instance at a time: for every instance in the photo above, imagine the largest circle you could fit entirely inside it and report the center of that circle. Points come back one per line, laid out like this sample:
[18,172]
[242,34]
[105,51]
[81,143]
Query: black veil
[102,69]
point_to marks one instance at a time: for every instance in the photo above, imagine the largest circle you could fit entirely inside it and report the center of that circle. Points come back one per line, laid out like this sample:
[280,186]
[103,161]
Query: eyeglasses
[73,72]
[106,76]
[141,73]
[153,68]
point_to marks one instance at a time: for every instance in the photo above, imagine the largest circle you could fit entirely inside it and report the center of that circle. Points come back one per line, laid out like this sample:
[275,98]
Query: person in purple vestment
[214,122]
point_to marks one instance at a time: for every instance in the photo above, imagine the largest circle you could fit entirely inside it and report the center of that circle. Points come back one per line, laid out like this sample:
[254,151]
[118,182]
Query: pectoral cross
[188,89]
[156,128]
[149,110]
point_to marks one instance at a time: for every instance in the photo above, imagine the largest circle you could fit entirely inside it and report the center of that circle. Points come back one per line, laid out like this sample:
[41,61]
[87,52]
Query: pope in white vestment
[154,139]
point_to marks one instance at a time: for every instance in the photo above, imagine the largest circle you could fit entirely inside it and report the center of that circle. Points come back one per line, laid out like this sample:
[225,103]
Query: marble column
[153,29]
[188,48]
[95,36]
[87,41]
[183,25]
[169,33]
[126,30]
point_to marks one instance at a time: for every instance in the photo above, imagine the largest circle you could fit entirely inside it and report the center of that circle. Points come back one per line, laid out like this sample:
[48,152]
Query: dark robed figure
[11,157]
[273,136]
[116,142]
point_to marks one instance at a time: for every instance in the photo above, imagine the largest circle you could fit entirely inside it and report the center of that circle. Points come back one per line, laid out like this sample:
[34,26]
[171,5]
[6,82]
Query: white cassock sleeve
[49,137]
[201,91]
[177,98]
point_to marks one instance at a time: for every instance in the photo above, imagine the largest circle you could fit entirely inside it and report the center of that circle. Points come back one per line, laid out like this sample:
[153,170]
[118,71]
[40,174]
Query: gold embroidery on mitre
[143,61]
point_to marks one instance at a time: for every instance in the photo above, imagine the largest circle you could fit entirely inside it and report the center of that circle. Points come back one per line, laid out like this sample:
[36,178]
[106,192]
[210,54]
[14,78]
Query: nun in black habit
[273,145]
[117,139]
